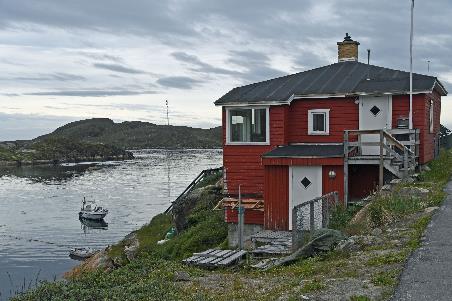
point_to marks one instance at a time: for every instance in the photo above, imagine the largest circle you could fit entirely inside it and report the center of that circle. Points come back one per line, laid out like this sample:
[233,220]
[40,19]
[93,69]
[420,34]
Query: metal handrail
[192,185]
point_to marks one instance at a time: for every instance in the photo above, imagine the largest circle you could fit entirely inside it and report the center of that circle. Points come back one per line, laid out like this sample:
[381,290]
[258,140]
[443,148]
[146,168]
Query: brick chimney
[347,50]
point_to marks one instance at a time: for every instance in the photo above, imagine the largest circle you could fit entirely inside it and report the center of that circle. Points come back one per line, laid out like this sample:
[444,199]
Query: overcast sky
[64,60]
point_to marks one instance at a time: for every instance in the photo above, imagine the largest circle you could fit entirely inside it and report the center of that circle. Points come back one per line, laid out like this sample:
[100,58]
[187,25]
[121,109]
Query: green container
[171,233]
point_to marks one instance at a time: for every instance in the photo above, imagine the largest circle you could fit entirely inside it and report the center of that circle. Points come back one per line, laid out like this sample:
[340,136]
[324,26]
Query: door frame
[291,188]
[388,117]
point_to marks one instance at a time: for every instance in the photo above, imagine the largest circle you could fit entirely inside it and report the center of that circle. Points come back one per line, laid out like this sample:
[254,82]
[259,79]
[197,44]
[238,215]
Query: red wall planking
[421,118]
[243,163]
[336,184]
[276,204]
[288,124]
[251,216]
[363,179]
[344,115]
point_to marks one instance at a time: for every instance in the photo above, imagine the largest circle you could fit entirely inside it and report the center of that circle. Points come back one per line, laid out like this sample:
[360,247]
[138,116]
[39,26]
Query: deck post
[345,168]
[381,174]
[241,223]
[311,217]
[405,163]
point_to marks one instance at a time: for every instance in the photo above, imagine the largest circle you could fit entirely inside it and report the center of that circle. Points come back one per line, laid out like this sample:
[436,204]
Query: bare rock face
[413,192]
[431,209]
[181,276]
[99,261]
[131,249]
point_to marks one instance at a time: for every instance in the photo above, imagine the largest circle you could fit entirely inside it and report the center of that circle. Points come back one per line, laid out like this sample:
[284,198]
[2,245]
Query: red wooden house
[344,127]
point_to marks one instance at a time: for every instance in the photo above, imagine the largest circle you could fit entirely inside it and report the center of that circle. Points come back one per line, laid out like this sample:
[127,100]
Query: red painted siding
[251,216]
[243,163]
[421,119]
[303,161]
[344,115]
[276,196]
[363,179]
[336,184]
[276,204]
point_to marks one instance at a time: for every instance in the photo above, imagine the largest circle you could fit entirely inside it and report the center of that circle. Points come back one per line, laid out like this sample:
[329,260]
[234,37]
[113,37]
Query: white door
[306,184]
[375,113]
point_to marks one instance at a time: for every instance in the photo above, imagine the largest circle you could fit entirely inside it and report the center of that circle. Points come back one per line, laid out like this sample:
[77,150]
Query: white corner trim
[290,196]
[327,122]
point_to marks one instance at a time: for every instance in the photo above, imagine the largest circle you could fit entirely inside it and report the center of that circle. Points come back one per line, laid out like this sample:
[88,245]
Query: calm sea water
[39,208]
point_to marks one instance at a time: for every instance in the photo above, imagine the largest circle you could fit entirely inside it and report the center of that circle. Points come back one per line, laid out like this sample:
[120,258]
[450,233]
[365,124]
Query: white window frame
[267,126]
[310,121]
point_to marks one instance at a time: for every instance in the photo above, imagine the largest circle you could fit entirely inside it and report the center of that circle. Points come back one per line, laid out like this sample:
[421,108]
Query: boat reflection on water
[87,224]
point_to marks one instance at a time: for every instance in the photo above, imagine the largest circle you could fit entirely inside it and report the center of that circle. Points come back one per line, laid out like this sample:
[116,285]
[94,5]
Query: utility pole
[167,112]
[411,65]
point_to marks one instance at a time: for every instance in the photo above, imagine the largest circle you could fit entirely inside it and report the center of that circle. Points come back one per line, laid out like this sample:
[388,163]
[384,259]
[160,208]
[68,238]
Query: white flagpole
[411,65]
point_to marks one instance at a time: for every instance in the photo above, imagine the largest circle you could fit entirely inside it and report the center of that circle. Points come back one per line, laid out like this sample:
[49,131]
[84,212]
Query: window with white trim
[319,122]
[431,119]
[247,126]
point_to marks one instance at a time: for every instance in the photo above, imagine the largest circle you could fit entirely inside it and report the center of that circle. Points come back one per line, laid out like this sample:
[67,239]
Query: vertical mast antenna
[411,65]
[167,112]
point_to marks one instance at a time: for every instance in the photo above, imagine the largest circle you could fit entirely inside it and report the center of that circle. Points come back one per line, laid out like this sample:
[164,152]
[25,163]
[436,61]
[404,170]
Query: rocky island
[101,139]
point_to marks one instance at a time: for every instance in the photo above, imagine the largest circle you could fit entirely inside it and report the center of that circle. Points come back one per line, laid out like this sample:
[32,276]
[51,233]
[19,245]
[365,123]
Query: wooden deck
[214,258]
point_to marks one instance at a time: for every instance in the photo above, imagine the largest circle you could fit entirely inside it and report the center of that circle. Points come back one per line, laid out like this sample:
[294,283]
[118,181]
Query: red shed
[342,127]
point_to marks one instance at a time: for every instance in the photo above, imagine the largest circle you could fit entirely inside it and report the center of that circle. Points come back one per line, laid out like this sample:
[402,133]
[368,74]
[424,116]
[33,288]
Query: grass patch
[312,286]
[388,259]
[386,278]
[418,231]
[341,216]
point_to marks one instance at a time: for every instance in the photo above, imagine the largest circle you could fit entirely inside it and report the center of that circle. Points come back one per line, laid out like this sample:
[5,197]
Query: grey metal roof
[306,151]
[344,78]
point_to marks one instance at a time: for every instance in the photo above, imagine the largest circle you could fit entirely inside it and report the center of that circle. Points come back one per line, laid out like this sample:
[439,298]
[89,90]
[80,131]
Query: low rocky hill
[137,134]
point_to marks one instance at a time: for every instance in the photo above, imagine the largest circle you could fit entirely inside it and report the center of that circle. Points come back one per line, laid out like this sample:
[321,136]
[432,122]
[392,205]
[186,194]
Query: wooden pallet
[214,258]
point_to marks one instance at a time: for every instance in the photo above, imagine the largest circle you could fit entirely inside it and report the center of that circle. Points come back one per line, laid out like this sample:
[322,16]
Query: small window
[318,122]
[247,125]
[431,117]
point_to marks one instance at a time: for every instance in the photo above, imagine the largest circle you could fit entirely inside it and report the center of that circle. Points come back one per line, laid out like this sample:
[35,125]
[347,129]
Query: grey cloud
[58,76]
[257,65]
[200,66]
[91,93]
[121,106]
[178,82]
[29,126]
[118,68]
[102,56]
[158,18]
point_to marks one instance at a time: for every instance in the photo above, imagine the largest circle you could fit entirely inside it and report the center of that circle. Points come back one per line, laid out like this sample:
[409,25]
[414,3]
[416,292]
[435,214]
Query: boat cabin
[348,127]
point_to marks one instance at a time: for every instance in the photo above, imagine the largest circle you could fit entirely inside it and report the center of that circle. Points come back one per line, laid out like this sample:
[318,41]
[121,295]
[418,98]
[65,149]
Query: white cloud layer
[66,60]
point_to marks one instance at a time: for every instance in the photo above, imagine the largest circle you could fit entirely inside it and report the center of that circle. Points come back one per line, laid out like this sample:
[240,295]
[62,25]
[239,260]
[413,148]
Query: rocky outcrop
[99,261]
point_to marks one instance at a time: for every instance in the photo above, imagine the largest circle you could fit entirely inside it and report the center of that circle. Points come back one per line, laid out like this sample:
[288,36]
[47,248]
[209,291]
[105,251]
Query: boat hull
[92,215]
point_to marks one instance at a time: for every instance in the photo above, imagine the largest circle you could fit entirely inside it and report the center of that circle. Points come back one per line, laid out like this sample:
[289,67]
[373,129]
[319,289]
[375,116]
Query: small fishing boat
[93,223]
[81,253]
[90,210]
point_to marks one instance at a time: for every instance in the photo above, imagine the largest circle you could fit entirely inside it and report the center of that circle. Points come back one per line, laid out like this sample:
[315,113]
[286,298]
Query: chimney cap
[348,38]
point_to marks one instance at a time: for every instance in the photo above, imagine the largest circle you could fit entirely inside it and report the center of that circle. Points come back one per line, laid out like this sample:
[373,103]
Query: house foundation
[248,231]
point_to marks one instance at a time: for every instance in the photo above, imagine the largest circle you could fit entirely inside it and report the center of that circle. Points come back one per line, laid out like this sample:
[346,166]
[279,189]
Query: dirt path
[428,272]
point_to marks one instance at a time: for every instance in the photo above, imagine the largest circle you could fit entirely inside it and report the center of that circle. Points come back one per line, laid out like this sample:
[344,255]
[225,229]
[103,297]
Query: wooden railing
[399,153]
[308,216]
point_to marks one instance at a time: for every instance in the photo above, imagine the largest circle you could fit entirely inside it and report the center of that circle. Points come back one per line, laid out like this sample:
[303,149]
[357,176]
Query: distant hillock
[137,135]
[102,139]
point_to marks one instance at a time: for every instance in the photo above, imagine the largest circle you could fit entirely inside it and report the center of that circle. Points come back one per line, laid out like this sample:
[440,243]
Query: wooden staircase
[399,157]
